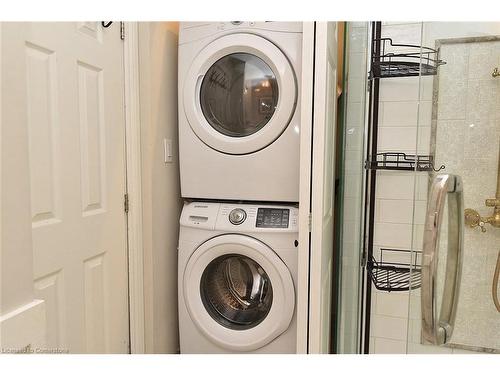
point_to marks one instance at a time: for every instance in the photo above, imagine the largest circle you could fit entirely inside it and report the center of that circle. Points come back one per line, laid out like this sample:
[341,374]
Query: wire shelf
[395,276]
[400,161]
[417,61]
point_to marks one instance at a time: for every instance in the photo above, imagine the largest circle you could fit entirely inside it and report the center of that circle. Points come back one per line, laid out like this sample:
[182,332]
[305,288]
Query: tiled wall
[404,104]
[395,192]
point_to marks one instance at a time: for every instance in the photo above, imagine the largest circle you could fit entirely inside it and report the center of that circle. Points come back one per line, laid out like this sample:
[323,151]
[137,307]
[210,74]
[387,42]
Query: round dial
[237,216]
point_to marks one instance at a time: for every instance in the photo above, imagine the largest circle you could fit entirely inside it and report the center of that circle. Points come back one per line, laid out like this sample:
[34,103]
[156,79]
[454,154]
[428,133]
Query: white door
[65,81]
[323,186]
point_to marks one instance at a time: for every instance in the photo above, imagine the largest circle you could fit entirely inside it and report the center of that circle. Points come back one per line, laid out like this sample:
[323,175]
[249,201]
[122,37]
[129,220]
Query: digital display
[272,218]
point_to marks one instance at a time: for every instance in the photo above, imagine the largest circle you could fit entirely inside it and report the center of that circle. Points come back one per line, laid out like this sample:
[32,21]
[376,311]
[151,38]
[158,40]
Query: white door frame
[306,112]
[134,191]
[309,289]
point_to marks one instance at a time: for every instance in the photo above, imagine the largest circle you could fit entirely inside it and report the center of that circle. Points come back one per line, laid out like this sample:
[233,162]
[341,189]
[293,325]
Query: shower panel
[464,135]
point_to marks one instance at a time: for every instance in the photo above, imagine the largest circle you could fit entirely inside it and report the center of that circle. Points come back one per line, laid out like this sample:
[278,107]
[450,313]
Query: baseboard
[23,330]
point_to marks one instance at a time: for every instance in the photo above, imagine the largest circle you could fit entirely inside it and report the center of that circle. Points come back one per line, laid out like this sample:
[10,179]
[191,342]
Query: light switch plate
[167,149]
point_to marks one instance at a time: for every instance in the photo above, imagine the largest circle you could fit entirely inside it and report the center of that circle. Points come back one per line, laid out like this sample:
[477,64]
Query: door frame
[306,113]
[133,189]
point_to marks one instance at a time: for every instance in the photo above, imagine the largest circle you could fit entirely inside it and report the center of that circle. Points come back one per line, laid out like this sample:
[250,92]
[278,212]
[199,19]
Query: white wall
[160,185]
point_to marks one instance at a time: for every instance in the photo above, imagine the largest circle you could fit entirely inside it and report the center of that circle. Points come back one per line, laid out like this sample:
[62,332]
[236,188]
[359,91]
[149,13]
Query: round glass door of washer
[236,291]
[239,94]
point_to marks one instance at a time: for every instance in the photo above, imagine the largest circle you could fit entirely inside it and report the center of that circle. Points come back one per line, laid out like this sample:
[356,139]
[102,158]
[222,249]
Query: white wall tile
[395,185]
[424,140]
[397,139]
[393,304]
[387,346]
[424,113]
[399,89]
[389,327]
[399,113]
[393,235]
[395,211]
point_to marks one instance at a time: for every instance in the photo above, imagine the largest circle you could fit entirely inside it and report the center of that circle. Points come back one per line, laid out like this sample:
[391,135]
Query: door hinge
[309,222]
[122,30]
[125,203]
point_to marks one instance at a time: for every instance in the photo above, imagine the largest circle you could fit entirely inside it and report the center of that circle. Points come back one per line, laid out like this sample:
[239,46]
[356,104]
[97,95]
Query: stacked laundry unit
[239,114]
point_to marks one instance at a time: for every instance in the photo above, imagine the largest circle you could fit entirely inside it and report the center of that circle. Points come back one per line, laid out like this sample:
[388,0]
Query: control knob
[237,216]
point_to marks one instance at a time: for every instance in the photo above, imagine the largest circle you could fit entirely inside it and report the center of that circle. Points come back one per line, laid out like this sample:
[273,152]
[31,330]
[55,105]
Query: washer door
[240,94]
[238,292]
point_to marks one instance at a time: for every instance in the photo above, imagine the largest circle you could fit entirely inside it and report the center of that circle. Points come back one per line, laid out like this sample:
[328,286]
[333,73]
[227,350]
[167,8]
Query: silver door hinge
[122,30]
[125,203]
[309,221]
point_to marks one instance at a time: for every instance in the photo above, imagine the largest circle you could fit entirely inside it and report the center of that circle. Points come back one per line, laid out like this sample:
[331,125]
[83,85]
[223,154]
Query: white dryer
[239,110]
[237,271]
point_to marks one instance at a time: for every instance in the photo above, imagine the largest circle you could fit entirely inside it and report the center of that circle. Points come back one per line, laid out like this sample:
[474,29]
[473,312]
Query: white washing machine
[237,271]
[239,110]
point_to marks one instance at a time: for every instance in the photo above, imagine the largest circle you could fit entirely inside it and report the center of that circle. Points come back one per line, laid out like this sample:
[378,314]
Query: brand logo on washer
[198,206]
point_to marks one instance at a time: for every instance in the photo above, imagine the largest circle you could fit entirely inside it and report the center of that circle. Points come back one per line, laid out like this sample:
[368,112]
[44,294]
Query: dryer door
[238,292]
[240,94]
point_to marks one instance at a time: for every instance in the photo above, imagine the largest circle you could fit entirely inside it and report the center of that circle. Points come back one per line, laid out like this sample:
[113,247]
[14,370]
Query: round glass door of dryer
[236,291]
[239,94]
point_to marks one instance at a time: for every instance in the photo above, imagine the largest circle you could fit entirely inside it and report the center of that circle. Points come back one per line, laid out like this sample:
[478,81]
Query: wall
[160,186]
[405,125]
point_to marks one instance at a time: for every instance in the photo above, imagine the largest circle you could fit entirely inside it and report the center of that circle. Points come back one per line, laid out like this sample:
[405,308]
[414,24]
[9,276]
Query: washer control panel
[240,217]
[272,217]
[237,216]
[248,217]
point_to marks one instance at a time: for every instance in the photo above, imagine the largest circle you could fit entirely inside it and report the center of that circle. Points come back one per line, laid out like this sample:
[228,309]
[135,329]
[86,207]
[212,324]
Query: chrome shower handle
[438,330]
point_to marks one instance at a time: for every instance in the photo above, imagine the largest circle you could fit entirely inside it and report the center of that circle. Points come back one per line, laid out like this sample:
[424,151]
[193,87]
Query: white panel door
[66,81]
[323,186]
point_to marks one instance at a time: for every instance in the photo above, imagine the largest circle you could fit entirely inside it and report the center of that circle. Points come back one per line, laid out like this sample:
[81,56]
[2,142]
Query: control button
[236,22]
[237,216]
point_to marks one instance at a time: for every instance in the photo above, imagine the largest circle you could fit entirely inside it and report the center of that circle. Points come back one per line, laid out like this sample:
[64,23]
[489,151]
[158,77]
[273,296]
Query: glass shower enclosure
[456,309]
[421,180]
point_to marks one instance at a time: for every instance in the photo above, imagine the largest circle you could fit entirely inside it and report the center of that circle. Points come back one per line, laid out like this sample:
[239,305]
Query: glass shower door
[351,197]
[455,309]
